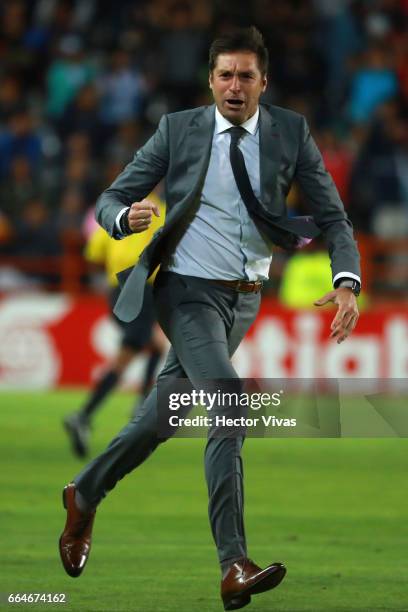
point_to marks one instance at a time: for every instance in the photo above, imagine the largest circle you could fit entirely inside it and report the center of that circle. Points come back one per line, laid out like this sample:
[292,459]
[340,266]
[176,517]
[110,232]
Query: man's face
[237,84]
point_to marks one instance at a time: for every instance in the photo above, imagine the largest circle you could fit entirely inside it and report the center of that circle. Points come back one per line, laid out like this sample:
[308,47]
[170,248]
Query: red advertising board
[48,341]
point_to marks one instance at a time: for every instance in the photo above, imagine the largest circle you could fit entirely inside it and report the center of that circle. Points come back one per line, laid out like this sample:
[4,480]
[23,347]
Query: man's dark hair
[243,39]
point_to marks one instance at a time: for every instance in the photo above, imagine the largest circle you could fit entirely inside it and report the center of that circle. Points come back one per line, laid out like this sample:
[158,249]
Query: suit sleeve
[137,180]
[327,207]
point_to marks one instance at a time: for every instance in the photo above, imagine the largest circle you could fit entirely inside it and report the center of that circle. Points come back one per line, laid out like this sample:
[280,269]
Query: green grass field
[335,511]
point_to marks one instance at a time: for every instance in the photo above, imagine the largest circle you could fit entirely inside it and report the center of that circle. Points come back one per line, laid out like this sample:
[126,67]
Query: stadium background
[82,85]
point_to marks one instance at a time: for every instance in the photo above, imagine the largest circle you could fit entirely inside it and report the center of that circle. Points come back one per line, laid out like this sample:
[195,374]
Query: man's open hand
[347,312]
[140,215]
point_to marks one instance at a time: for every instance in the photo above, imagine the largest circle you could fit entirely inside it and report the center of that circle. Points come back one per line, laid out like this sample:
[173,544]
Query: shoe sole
[239,600]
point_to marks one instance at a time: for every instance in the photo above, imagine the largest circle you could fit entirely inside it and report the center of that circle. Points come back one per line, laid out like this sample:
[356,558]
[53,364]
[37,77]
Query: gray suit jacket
[180,150]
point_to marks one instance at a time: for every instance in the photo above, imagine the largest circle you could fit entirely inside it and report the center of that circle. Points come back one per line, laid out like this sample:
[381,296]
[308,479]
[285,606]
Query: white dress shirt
[222,241]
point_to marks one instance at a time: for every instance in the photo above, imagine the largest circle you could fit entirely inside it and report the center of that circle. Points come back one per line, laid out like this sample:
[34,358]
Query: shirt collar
[222,124]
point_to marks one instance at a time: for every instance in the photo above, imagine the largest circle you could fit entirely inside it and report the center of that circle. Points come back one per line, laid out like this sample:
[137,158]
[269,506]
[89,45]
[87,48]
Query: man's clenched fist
[140,215]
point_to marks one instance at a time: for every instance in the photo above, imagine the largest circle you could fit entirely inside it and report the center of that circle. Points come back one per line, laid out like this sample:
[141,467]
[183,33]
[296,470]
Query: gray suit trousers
[205,323]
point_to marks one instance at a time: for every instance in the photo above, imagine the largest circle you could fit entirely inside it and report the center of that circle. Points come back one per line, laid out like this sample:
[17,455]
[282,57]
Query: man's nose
[235,83]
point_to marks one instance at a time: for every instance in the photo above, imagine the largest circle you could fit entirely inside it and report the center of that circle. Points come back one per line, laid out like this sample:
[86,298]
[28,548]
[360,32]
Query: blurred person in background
[71,211]
[20,138]
[374,82]
[66,75]
[10,95]
[182,47]
[137,337]
[124,143]
[80,168]
[305,275]
[15,50]
[81,116]
[339,35]
[215,251]
[122,90]
[338,156]
[21,184]
[34,234]
[379,186]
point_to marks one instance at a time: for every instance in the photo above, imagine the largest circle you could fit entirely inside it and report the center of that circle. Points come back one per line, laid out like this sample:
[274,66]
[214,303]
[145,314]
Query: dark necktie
[288,233]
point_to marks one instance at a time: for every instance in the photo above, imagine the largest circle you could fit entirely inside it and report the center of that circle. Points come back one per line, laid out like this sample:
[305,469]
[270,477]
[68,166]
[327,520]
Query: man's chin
[236,117]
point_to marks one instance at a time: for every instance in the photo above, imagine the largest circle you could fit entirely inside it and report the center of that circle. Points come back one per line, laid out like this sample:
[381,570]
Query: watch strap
[350,283]
[124,224]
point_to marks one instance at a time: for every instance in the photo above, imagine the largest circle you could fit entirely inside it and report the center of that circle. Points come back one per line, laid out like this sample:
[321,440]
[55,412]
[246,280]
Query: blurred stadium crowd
[83,83]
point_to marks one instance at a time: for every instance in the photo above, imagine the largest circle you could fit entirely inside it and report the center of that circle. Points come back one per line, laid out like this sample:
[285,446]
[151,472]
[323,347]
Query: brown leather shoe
[244,579]
[75,541]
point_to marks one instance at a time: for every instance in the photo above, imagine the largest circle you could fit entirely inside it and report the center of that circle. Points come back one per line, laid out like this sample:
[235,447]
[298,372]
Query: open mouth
[234,103]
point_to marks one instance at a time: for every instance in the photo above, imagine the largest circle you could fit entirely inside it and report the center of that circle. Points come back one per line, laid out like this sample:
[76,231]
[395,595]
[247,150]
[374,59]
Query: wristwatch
[124,224]
[352,284]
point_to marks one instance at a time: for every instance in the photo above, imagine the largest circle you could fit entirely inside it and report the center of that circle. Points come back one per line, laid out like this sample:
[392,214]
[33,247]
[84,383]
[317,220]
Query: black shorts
[138,333]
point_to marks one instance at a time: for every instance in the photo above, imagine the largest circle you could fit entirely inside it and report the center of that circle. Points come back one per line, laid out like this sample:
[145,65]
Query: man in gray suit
[228,169]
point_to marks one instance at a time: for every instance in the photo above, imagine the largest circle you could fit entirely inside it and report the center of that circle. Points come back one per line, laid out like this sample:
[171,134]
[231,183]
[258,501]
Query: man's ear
[265,83]
[210,79]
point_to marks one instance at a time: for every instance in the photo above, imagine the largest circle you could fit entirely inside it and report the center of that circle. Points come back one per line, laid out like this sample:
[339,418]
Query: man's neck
[223,123]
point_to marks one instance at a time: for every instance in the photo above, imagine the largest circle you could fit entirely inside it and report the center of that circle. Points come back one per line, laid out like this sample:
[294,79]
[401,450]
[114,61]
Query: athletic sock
[103,387]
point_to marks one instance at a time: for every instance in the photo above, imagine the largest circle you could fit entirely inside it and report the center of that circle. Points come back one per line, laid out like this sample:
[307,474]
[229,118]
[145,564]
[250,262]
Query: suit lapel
[270,152]
[198,146]
[196,149]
